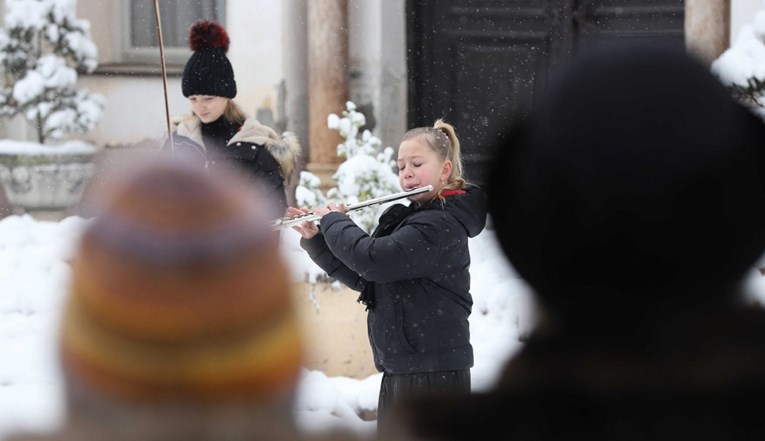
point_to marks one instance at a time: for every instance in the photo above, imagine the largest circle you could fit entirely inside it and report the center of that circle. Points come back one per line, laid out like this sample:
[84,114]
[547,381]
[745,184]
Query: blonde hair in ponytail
[442,138]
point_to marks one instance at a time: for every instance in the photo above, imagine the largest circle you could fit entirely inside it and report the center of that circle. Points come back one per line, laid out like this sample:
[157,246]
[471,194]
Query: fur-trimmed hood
[284,148]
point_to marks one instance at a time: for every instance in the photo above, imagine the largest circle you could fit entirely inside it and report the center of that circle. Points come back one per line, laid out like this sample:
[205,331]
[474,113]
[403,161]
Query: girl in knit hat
[218,132]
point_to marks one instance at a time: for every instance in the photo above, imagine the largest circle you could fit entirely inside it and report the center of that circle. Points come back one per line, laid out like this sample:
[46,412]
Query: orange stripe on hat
[256,362]
[174,303]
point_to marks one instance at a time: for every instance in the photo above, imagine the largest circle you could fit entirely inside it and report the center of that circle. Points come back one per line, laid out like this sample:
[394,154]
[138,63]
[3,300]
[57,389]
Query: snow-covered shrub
[43,47]
[308,192]
[366,173]
[742,66]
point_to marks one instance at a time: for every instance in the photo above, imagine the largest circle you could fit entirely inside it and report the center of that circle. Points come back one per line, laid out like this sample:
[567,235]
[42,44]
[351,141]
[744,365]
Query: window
[138,37]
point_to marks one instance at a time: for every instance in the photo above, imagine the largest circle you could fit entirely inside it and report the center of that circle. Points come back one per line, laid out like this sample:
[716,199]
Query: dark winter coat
[251,148]
[417,264]
[693,377]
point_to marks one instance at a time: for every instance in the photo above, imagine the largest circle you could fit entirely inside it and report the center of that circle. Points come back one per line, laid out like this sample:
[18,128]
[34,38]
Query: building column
[327,83]
[707,28]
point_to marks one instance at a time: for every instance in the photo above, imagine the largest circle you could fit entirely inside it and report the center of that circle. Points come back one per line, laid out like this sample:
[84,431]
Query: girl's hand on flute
[332,206]
[339,207]
[307,229]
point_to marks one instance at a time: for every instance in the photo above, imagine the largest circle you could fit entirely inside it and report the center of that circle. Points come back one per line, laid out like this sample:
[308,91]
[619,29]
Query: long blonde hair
[442,138]
[233,113]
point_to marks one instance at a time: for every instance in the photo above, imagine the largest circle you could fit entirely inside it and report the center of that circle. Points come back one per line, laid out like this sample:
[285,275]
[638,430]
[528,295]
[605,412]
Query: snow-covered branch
[43,47]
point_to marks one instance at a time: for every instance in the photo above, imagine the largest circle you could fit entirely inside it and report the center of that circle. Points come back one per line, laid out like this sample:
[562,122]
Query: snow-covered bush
[43,47]
[742,66]
[366,173]
[308,192]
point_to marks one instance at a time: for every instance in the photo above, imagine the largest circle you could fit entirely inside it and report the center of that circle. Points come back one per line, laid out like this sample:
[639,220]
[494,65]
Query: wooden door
[480,63]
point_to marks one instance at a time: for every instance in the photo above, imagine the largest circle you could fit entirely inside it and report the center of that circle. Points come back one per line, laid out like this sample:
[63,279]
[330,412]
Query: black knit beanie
[208,71]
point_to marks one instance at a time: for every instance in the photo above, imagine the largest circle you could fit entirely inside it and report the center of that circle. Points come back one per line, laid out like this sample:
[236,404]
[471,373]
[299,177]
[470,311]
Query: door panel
[480,63]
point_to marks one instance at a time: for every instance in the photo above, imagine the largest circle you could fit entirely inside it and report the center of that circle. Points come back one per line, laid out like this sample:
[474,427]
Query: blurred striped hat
[179,292]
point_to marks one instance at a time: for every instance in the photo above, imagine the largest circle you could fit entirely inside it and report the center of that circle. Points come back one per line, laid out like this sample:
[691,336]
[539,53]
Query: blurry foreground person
[179,323]
[633,203]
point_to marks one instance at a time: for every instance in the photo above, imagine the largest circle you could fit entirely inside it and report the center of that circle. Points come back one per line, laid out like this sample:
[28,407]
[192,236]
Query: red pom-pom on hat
[208,34]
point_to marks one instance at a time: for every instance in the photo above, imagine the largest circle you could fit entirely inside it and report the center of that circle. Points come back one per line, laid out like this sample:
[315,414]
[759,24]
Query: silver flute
[286,222]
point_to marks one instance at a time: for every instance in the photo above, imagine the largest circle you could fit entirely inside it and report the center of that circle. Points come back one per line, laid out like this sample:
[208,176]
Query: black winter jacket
[417,262]
[253,148]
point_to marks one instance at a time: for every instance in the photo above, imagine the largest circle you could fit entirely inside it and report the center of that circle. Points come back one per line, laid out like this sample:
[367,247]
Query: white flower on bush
[366,173]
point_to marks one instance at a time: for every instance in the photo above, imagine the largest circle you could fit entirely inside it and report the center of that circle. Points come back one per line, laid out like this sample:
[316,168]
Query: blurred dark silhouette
[632,202]
[179,323]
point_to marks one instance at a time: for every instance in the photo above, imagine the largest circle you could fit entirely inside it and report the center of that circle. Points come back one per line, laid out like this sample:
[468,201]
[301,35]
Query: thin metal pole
[164,73]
